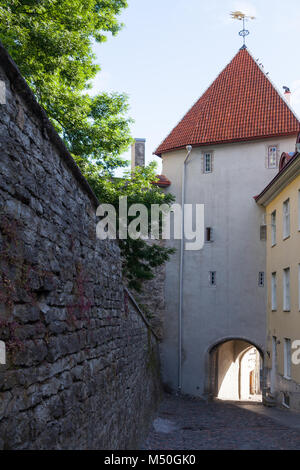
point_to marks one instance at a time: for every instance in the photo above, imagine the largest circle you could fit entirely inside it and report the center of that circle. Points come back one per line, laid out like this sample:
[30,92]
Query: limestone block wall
[82,369]
[152,300]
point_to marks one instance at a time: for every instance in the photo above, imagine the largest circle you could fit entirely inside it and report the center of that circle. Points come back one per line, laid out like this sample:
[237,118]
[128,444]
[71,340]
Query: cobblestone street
[190,424]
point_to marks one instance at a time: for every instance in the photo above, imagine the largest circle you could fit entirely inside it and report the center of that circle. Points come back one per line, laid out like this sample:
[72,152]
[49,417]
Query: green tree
[51,41]
[139,257]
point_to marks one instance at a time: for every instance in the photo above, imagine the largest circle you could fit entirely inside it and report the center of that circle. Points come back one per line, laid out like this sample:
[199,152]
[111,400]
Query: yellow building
[281,199]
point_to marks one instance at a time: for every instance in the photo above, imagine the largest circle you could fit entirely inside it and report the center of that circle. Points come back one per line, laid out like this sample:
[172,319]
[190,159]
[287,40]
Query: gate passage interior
[235,368]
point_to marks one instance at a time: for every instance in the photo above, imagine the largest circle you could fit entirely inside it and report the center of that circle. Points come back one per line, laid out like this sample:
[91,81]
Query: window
[272,156]
[286,290]
[263,232]
[273,228]
[299,209]
[299,286]
[261,279]
[209,234]
[274,292]
[207,163]
[286,219]
[213,278]
[287,358]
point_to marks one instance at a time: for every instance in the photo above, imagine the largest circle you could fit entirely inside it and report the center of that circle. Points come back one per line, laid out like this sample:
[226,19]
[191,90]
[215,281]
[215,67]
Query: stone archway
[235,370]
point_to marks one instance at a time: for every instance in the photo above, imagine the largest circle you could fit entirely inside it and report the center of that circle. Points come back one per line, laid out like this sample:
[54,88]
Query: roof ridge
[276,89]
[196,101]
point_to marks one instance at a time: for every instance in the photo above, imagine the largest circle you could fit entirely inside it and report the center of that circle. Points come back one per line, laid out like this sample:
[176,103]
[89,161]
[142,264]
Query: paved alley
[184,423]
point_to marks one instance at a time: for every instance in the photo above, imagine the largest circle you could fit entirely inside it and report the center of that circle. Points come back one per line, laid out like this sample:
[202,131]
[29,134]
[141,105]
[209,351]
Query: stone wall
[82,362]
[152,298]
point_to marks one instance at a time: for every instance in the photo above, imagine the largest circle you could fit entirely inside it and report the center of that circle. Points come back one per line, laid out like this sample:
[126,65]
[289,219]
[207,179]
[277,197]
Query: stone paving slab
[284,416]
[185,423]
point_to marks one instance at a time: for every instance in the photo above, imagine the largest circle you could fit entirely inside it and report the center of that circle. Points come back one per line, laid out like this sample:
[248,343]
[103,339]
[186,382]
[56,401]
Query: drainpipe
[189,151]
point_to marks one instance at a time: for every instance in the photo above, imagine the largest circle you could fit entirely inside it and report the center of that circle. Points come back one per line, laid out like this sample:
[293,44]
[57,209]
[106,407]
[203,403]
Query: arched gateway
[235,370]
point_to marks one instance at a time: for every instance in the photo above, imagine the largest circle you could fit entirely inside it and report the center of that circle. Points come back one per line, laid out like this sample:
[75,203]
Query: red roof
[163,181]
[241,104]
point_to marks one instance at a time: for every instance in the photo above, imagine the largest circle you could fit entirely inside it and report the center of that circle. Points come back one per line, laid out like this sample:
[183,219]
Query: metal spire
[239,15]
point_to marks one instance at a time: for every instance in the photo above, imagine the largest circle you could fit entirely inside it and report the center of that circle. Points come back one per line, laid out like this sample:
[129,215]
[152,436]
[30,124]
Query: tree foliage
[51,41]
[139,257]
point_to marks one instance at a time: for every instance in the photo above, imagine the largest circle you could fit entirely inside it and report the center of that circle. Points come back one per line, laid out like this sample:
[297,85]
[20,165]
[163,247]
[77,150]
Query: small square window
[272,156]
[213,278]
[209,234]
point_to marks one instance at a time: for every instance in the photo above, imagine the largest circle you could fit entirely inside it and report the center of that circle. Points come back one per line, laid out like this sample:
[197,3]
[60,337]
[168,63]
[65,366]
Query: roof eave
[231,141]
[281,180]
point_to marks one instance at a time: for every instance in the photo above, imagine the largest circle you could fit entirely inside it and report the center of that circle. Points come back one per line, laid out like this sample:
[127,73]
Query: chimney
[138,153]
[287,94]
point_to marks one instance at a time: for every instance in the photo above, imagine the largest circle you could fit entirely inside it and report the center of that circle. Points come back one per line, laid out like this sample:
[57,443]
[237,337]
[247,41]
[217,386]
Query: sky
[170,51]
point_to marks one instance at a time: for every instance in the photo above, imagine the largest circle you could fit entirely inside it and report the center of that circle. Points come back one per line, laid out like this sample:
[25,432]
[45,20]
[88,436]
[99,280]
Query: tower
[237,129]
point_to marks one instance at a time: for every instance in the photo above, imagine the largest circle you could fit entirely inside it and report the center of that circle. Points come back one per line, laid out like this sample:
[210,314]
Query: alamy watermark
[296,354]
[161,222]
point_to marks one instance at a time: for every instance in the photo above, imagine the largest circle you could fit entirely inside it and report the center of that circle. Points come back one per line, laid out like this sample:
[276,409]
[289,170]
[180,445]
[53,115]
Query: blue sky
[170,51]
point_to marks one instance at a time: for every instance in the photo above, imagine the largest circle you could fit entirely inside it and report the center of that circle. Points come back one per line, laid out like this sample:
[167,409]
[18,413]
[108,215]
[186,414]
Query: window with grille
[263,232]
[213,278]
[261,279]
[207,163]
[272,156]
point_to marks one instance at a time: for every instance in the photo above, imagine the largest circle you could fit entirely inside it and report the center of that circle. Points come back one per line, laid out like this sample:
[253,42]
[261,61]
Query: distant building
[281,200]
[215,312]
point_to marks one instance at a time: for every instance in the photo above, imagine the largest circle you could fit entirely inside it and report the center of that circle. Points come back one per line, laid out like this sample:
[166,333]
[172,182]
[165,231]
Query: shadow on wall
[236,371]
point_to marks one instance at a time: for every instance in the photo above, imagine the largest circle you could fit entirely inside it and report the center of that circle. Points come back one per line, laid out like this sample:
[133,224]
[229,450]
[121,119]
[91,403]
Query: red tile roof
[163,181]
[241,104]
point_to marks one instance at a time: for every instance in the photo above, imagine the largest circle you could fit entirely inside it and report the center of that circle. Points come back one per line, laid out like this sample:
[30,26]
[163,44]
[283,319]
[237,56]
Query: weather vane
[239,15]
